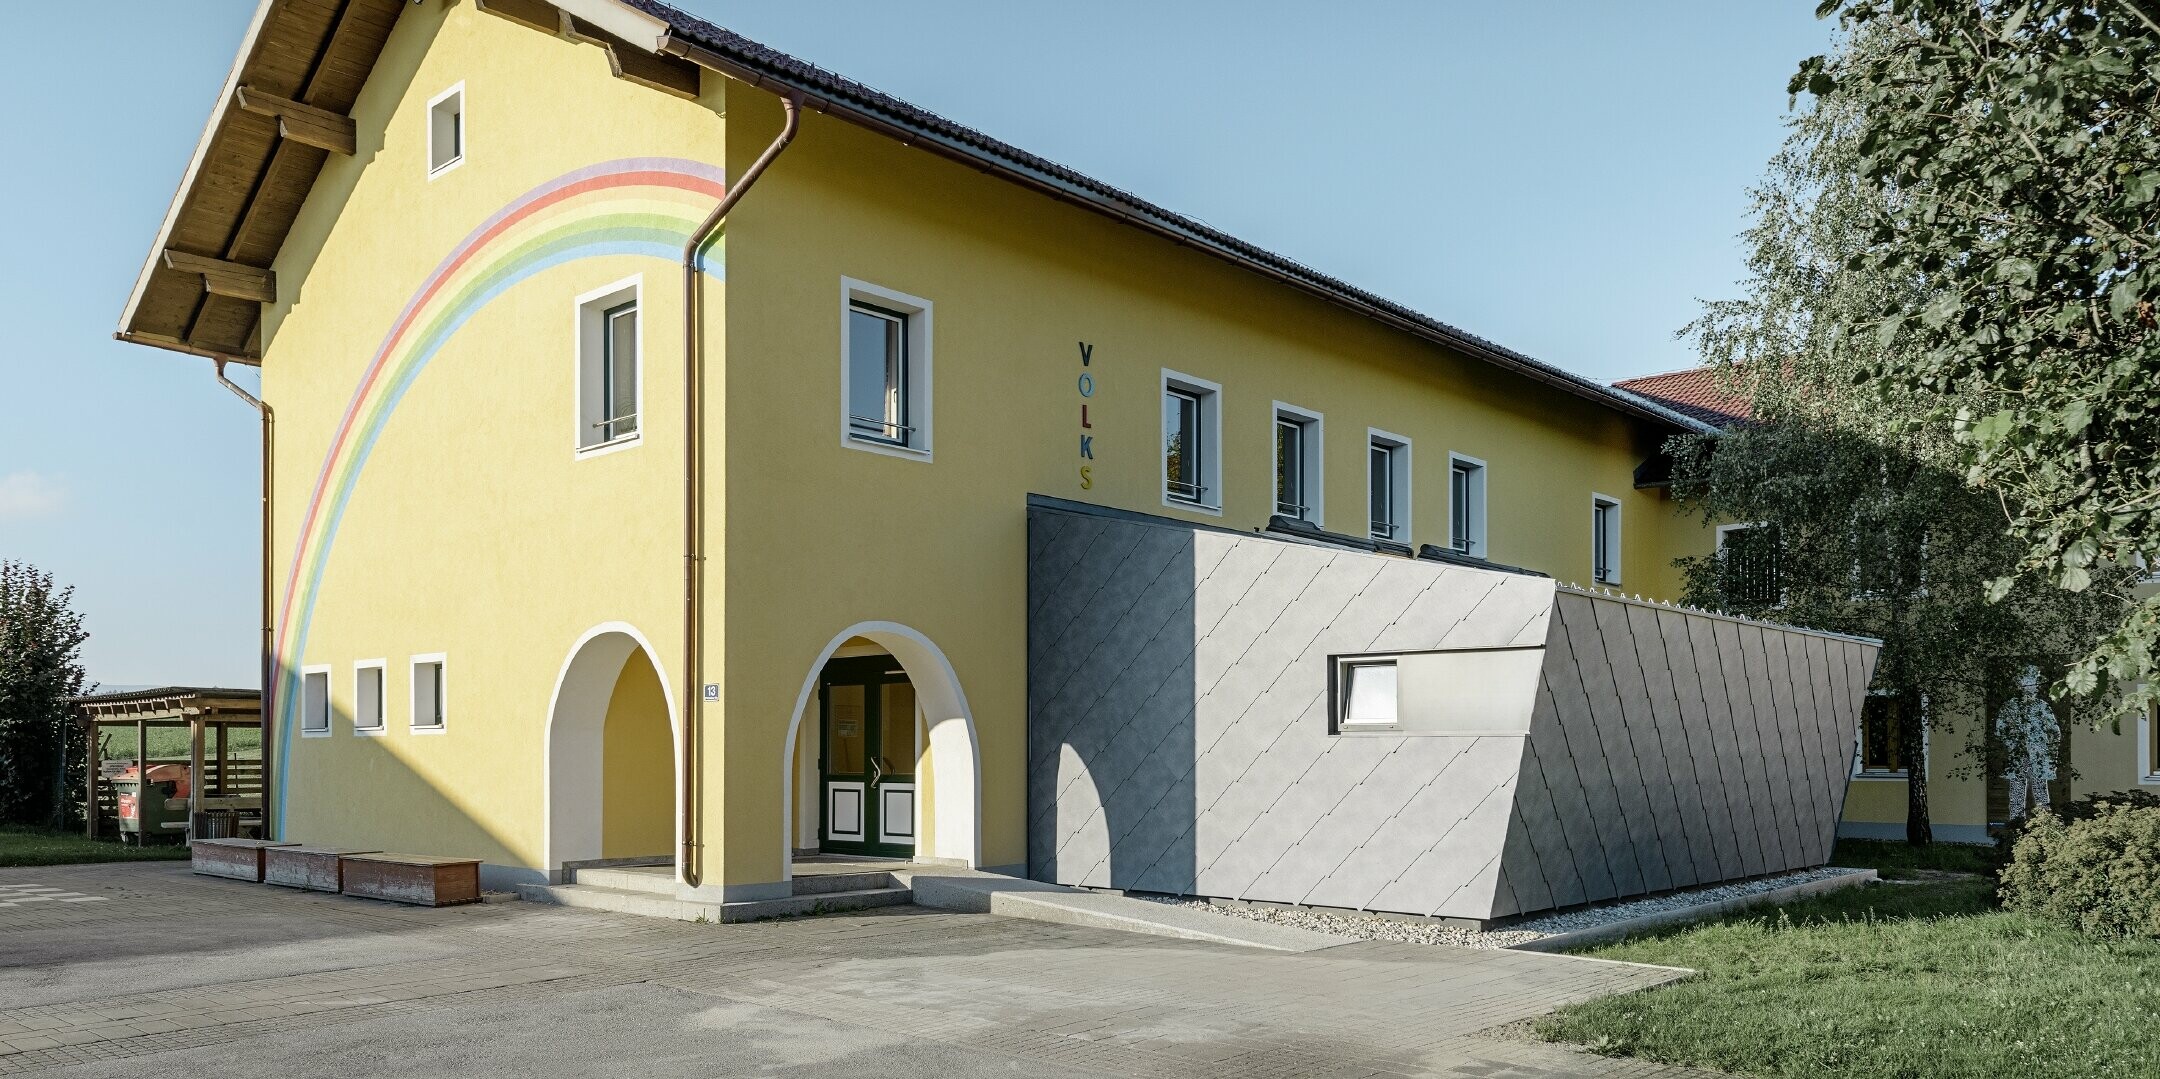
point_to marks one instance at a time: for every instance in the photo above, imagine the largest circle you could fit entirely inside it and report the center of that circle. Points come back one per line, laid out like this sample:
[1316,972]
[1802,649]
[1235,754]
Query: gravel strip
[1374,927]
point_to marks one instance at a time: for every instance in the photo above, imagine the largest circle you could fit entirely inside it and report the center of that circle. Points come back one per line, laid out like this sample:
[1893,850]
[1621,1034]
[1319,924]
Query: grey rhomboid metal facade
[1567,747]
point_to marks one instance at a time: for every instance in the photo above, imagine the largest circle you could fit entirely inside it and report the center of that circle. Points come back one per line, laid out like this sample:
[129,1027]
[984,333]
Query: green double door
[866,758]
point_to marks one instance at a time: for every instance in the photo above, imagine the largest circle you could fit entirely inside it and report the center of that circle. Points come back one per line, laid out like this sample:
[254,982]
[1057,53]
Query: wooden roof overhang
[285,107]
[172,705]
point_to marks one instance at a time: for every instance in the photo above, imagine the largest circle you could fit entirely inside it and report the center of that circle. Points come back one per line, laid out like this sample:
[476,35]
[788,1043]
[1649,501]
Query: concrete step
[650,905]
[620,900]
[796,906]
[822,883]
[655,879]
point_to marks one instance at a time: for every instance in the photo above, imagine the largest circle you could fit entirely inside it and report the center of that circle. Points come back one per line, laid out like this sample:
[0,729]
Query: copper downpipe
[269,658]
[687,859]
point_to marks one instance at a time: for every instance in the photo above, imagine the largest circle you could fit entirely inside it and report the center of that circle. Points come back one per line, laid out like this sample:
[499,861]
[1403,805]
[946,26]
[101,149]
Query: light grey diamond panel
[1179,734]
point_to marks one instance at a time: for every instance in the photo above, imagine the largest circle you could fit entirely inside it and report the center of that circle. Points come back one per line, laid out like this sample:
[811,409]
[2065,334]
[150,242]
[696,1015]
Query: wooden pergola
[209,714]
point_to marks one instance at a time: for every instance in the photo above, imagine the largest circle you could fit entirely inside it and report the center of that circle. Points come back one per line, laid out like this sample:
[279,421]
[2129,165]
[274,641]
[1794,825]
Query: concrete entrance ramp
[1015,897]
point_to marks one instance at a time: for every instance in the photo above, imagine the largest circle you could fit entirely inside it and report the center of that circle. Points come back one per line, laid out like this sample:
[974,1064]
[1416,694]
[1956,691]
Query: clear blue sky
[1565,178]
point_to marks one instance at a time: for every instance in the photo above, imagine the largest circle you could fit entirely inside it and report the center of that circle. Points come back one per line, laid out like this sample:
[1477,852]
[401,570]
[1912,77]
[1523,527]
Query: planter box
[412,878]
[316,869]
[237,859]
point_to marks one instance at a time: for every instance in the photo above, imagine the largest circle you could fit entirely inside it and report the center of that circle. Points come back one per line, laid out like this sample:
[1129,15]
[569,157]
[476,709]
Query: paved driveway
[146,970]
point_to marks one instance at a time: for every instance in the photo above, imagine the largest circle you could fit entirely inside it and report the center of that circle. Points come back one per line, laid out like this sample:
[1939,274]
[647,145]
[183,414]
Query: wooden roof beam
[224,278]
[304,124]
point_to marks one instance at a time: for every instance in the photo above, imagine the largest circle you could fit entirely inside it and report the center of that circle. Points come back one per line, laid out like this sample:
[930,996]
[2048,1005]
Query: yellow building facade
[462,275]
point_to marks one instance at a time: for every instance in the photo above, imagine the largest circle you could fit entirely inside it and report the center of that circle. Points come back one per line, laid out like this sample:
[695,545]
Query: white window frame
[1312,453]
[464,146]
[442,692]
[588,328]
[919,368]
[1611,556]
[1209,395]
[2147,775]
[1340,683]
[1859,747]
[382,697]
[1477,545]
[1399,461]
[329,706]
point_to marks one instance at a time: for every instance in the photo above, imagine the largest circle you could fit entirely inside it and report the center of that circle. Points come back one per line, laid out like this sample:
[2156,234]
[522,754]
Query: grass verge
[1900,861]
[39,846]
[1900,980]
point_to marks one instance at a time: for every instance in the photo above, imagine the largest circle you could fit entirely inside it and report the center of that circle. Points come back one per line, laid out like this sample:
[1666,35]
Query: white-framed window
[1466,505]
[446,130]
[1748,564]
[430,693]
[1298,464]
[1192,442]
[610,367]
[1604,539]
[2148,749]
[1368,694]
[315,702]
[1387,485]
[884,370]
[367,715]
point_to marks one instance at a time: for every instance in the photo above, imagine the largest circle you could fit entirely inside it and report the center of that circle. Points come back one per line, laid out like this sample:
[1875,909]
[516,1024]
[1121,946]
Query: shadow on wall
[601,783]
[1113,680]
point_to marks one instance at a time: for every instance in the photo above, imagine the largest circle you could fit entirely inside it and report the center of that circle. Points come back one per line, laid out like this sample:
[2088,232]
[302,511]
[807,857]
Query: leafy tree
[40,667]
[2012,152]
[1869,525]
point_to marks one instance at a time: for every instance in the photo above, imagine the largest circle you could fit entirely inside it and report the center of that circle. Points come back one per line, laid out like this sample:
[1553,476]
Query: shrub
[2095,868]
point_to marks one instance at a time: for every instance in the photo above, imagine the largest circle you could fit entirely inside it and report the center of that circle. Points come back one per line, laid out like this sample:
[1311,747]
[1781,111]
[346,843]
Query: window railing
[612,428]
[1291,509]
[1384,529]
[880,430]
[1183,491]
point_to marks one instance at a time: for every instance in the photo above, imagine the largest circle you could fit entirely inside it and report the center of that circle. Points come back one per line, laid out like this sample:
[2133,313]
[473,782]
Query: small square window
[429,694]
[315,701]
[368,697]
[1604,539]
[884,371]
[610,371]
[446,130]
[1369,695]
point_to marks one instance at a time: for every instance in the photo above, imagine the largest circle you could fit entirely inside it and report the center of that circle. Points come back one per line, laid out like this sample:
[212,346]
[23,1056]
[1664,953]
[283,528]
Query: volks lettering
[1087,478]
[1084,424]
[1087,353]
[1087,447]
[1087,385]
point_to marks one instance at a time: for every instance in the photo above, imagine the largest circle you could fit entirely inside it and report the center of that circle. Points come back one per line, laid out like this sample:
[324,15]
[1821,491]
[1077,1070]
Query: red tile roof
[1698,392]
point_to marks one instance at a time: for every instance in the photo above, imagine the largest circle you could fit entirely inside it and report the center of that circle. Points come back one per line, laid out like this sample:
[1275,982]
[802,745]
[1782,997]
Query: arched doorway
[859,778]
[611,755]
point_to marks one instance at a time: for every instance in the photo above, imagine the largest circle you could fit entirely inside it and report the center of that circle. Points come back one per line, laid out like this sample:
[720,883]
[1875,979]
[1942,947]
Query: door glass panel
[844,732]
[896,733]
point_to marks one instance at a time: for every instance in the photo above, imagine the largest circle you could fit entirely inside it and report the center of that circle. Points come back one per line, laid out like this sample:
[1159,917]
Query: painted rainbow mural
[632,206]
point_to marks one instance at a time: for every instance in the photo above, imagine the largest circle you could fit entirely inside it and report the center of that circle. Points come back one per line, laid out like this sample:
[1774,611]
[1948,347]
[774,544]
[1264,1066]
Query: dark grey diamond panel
[1179,736]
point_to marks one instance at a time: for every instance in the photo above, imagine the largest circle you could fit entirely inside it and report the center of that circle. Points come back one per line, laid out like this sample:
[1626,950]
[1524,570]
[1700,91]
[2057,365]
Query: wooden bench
[316,869]
[237,859]
[412,878]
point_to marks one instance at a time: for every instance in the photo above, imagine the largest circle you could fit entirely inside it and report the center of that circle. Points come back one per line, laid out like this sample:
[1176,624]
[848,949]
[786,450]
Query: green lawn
[1898,861]
[36,846]
[1916,979]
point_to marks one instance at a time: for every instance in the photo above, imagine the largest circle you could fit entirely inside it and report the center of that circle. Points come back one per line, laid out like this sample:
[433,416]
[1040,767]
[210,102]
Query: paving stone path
[178,974]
